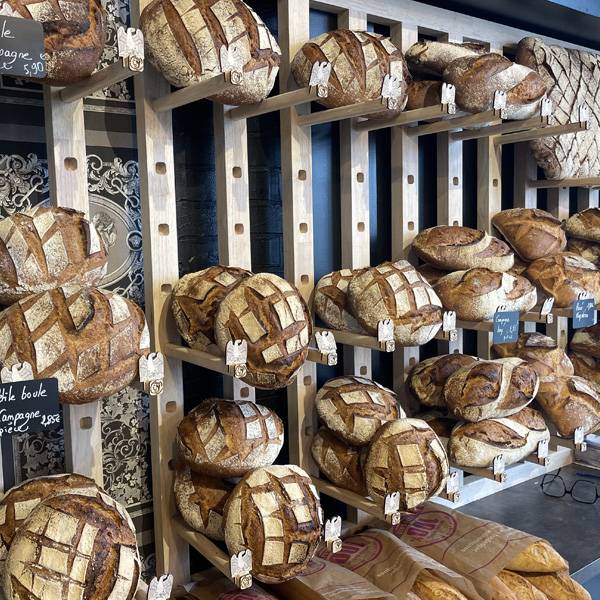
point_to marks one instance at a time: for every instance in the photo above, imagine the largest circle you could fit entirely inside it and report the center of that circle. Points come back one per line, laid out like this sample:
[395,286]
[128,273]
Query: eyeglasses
[583,491]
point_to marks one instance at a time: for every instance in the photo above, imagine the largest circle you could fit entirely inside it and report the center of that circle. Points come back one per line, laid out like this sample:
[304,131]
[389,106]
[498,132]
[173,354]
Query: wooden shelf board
[197,357]
[503,128]
[274,103]
[534,134]
[343,112]
[408,117]
[350,498]
[197,91]
[489,117]
[329,360]
[565,183]
[356,339]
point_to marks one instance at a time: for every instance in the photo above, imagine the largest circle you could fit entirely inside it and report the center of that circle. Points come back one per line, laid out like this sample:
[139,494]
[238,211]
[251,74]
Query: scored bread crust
[558,585]
[430,57]
[524,589]
[428,586]
[423,93]
[586,249]
[331,300]
[587,367]
[585,225]
[587,341]
[539,557]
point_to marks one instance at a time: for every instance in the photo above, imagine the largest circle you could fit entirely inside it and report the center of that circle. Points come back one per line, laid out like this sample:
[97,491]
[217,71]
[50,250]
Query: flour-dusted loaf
[354,408]
[270,314]
[539,557]
[587,341]
[338,461]
[585,225]
[74,35]
[91,340]
[570,402]
[542,353]
[477,294]
[275,512]
[406,456]
[587,367]
[430,57]
[201,500]
[586,249]
[331,300]
[74,545]
[523,589]
[564,277]
[228,438]
[423,93]
[359,62]
[191,41]
[558,586]
[572,78]
[427,378]
[455,248]
[396,291]
[44,248]
[196,299]
[489,389]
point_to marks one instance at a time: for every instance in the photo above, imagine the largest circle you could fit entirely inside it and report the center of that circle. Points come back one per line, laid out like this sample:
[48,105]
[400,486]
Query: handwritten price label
[21,48]
[506,327]
[584,313]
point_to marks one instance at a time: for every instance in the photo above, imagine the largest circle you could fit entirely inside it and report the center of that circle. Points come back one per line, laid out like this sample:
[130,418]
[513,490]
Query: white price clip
[546,310]
[391,508]
[385,335]
[499,100]
[453,487]
[232,63]
[130,43]
[236,356]
[546,107]
[448,93]
[152,373]
[19,372]
[584,113]
[579,439]
[390,91]
[542,453]
[327,347]
[160,589]
[333,534]
[240,566]
[499,468]
[449,320]
[319,78]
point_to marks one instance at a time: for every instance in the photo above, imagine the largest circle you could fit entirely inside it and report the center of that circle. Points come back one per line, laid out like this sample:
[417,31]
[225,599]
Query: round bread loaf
[270,314]
[44,248]
[585,225]
[587,341]
[338,461]
[431,274]
[533,233]
[558,585]
[192,42]
[515,437]
[430,57]
[195,300]
[275,512]
[460,248]
[570,402]
[523,589]
[406,456]
[564,277]
[427,378]
[74,35]
[441,423]
[541,352]
[201,501]
[354,408]
[586,249]
[477,78]
[91,340]
[423,93]
[489,389]
[360,60]
[396,291]
[74,545]
[228,438]
[331,300]
[587,367]
[476,294]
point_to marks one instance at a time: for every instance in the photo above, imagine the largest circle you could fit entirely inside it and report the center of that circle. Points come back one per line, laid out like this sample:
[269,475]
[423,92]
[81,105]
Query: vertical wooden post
[67,166]
[296,170]
[587,198]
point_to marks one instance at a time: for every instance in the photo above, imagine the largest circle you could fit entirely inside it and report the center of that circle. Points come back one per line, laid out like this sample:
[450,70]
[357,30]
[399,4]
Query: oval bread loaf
[431,274]
[588,368]
[423,93]
[587,341]
[539,557]
[430,57]
[586,249]
[585,225]
[429,586]
[331,300]
[558,585]
[523,589]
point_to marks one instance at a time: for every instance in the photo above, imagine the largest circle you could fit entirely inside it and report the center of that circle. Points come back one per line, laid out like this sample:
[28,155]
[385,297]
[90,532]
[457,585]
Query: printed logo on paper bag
[356,552]
[426,528]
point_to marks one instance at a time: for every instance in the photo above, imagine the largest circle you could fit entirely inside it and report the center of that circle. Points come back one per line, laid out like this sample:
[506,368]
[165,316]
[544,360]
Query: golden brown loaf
[490,389]
[441,424]
[45,248]
[587,341]
[431,274]
[354,408]
[338,461]
[456,248]
[519,267]
[430,57]
[331,300]
[428,586]
[542,353]
[564,277]
[520,586]
[274,512]
[586,249]
[190,42]
[396,291]
[558,586]
[195,300]
[360,61]
[477,294]
[426,380]
[587,367]
[270,314]
[227,438]
[423,93]
[406,456]
[90,340]
[533,233]
[585,225]
[539,557]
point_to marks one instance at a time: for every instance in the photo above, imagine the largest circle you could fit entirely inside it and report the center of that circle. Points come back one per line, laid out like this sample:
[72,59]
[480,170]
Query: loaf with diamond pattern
[331,300]
[193,40]
[91,340]
[275,512]
[44,248]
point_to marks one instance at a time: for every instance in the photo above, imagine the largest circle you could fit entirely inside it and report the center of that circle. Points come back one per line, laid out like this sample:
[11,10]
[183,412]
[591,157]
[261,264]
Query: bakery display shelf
[589,182]
[540,132]
[488,117]
[213,362]
[361,340]
[538,122]
[410,117]
[362,109]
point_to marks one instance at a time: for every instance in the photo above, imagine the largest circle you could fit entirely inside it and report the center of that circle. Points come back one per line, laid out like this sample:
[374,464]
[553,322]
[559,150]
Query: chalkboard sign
[506,327]
[584,313]
[21,47]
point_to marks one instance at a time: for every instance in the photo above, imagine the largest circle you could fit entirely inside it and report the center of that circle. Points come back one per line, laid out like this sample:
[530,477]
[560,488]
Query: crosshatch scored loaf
[331,300]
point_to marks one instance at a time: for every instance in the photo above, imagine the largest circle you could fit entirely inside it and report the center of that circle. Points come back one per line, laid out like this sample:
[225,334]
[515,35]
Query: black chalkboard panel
[21,47]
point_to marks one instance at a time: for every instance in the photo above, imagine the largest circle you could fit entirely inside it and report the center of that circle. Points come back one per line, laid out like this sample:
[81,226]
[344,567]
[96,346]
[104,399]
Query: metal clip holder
[448,97]
[160,589]
[500,103]
[319,78]
[390,91]
[499,468]
[333,534]
[327,347]
[449,324]
[453,487]
[584,113]
[385,335]
[579,439]
[236,357]
[542,453]
[391,508]
[546,310]
[130,44]
[19,372]
[152,373]
[232,63]
[546,109]
[240,566]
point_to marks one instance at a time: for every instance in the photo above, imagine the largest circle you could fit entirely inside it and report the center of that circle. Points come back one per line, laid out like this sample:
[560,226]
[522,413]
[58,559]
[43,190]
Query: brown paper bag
[213,585]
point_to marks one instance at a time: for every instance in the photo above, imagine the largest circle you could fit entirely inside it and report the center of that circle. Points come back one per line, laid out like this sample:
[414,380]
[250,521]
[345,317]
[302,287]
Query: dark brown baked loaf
[585,225]
[587,367]
[195,300]
[227,438]
[354,408]
[406,456]
[74,35]
[338,461]
[489,389]
[427,378]
[190,42]
[396,291]
[275,512]
[564,277]
[90,340]
[360,61]
[331,300]
[441,423]
[270,314]
[45,248]
[533,233]
[455,248]
[430,57]
[74,545]
[423,93]
[587,341]
[541,352]
[586,249]
[431,274]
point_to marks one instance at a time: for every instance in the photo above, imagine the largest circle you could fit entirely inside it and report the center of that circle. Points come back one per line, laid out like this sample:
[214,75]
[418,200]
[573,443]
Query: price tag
[584,313]
[21,47]
[506,327]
